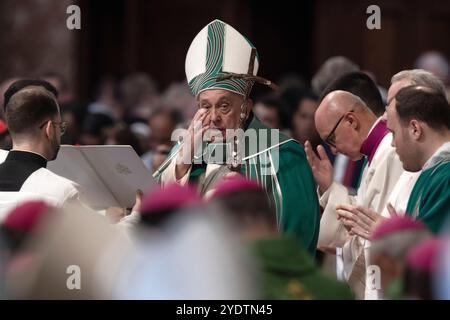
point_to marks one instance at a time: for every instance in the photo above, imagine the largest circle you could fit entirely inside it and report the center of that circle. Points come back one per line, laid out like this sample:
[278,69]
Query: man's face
[340,134]
[55,140]
[303,121]
[224,108]
[402,140]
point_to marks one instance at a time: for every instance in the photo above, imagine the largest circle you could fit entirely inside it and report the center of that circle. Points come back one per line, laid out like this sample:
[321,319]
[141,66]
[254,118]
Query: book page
[72,164]
[121,170]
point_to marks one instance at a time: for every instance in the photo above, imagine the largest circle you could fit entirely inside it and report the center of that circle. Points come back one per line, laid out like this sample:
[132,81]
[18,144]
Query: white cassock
[399,200]
[400,194]
[377,183]
[42,184]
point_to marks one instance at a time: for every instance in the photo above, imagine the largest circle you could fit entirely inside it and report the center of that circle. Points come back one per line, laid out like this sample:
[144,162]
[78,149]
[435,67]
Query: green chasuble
[430,197]
[288,272]
[279,165]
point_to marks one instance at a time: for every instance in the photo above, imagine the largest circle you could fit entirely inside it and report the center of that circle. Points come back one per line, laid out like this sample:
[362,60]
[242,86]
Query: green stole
[282,170]
[430,198]
[258,162]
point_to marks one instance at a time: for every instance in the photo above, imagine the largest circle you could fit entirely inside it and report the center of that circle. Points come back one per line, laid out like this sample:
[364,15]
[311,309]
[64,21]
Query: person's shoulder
[292,147]
[440,174]
[3,155]
[385,150]
[46,181]
[386,156]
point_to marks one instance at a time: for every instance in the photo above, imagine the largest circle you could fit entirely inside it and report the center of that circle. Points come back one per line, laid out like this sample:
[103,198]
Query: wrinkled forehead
[217,95]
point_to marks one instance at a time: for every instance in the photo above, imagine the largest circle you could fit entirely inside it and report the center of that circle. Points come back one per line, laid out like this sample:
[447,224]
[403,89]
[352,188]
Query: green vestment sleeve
[300,214]
[430,197]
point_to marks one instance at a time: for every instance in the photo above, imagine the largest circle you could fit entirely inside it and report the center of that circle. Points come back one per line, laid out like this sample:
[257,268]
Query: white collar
[442,153]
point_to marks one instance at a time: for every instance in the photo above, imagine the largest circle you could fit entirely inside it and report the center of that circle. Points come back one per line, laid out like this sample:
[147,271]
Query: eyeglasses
[62,125]
[330,139]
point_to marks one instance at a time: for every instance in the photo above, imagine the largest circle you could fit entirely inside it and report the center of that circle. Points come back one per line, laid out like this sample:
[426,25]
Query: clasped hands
[359,220]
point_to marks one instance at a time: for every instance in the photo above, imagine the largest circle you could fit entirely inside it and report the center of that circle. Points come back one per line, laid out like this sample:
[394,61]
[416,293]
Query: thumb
[391,210]
[137,203]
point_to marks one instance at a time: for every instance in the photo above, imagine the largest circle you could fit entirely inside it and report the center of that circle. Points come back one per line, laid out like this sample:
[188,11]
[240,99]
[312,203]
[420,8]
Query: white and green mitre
[221,58]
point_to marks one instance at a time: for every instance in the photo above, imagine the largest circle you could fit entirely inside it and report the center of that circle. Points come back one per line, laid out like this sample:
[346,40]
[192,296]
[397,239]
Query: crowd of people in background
[223,247]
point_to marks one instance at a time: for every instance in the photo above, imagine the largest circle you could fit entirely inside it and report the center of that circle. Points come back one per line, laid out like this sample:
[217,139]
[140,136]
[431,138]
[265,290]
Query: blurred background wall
[123,36]
[34,39]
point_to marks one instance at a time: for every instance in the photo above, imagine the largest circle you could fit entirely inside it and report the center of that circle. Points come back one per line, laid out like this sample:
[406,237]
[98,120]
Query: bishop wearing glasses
[349,127]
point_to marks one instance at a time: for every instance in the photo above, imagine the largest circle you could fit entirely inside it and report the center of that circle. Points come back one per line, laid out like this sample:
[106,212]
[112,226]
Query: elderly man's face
[224,108]
[401,140]
[340,134]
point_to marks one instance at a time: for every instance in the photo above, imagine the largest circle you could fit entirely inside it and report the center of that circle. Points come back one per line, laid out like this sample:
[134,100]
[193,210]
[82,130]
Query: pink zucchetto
[171,197]
[422,257]
[396,224]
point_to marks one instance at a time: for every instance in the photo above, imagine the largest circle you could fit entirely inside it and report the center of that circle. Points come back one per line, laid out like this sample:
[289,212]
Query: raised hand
[192,140]
[321,166]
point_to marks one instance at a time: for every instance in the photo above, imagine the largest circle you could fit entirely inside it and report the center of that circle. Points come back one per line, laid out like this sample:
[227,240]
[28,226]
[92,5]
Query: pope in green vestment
[430,198]
[283,171]
[288,272]
[220,58]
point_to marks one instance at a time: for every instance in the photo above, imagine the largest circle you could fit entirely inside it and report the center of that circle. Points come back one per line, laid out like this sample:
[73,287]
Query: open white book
[108,175]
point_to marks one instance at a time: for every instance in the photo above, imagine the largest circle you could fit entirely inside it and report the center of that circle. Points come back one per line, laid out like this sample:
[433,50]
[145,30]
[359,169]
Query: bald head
[335,105]
[343,121]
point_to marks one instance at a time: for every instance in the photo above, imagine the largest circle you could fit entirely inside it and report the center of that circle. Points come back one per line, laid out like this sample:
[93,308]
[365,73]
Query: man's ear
[415,129]
[354,122]
[48,129]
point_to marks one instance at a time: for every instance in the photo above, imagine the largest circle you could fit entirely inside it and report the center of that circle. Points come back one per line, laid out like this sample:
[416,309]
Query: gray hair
[421,77]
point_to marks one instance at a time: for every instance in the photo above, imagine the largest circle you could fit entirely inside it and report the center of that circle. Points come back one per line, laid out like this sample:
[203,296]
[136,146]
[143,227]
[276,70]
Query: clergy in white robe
[422,141]
[399,197]
[357,132]
[35,125]
[23,176]
[34,122]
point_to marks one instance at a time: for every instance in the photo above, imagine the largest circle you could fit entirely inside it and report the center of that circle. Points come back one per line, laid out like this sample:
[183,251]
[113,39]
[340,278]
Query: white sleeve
[168,175]
[332,231]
